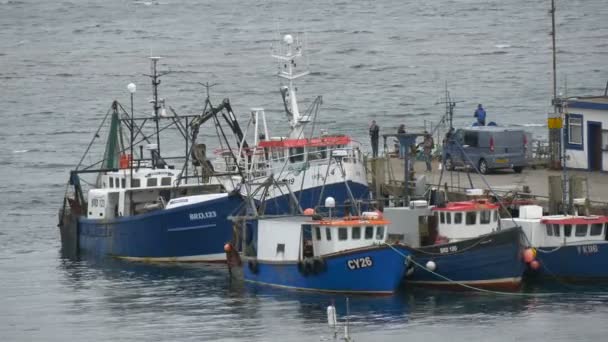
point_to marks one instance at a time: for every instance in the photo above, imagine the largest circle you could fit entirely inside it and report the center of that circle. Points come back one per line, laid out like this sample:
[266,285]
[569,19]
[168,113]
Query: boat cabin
[151,189]
[297,238]
[558,230]
[465,220]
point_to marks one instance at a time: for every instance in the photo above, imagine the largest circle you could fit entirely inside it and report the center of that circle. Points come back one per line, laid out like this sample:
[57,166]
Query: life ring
[318,265]
[253,266]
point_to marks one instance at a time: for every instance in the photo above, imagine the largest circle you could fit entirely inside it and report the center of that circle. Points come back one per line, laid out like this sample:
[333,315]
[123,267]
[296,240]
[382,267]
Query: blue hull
[344,272]
[177,234]
[489,261]
[309,198]
[586,262]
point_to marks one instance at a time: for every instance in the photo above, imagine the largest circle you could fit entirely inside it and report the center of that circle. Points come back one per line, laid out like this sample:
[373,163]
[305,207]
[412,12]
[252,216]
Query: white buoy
[431,265]
[331,316]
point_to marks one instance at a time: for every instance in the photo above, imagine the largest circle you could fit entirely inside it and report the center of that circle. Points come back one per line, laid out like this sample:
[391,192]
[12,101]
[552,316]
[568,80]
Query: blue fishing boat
[459,244]
[345,255]
[304,158]
[141,207]
[570,247]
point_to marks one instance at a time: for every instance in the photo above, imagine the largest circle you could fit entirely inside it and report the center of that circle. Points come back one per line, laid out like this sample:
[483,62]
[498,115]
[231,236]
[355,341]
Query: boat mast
[155,82]
[554,126]
[288,61]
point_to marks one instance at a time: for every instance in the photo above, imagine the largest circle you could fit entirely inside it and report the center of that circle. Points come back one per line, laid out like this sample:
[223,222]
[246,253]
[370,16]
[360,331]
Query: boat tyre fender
[319,265]
[253,266]
[309,266]
[302,267]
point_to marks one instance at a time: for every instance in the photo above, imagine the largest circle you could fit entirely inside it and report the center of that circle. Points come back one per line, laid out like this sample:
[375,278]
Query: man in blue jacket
[480,114]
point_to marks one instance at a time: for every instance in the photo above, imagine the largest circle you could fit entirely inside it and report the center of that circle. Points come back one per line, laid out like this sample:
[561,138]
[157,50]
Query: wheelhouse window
[581,230]
[380,233]
[485,216]
[549,230]
[111,182]
[457,218]
[369,232]
[567,230]
[342,234]
[596,229]
[116,182]
[448,218]
[135,183]
[328,233]
[442,217]
[296,154]
[575,130]
[318,233]
[471,217]
[123,183]
[356,233]
[556,230]
[495,214]
[151,182]
[278,154]
[165,181]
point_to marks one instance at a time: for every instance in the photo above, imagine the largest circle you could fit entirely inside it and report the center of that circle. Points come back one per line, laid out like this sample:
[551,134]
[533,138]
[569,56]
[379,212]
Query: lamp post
[132,88]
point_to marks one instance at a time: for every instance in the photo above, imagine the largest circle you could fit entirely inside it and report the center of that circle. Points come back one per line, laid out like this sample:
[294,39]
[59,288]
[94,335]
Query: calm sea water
[63,62]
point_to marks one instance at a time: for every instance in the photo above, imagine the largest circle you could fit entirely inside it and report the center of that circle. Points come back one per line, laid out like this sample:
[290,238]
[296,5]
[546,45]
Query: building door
[594,145]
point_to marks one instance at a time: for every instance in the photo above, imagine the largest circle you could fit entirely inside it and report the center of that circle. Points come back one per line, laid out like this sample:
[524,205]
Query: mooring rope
[502,293]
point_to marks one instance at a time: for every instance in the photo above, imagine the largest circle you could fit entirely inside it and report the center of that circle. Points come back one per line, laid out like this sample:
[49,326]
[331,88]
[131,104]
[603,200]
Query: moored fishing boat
[144,208]
[460,244]
[303,160]
[345,255]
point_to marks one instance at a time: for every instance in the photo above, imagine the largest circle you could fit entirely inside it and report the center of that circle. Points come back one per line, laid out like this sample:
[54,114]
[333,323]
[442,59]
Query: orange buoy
[309,211]
[529,255]
[535,265]
[228,248]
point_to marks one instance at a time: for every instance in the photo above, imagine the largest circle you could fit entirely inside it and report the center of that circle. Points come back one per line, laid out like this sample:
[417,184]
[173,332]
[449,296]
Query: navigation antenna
[449,108]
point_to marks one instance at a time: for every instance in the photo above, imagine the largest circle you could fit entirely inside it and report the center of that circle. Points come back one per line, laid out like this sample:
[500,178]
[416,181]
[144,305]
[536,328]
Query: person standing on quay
[480,114]
[374,134]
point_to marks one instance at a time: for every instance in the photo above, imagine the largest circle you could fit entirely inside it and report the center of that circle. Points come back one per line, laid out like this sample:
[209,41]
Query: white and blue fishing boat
[142,207]
[303,158]
[570,247]
[337,255]
[459,244]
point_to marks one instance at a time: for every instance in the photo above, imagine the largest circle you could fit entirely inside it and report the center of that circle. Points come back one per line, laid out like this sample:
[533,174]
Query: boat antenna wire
[95,136]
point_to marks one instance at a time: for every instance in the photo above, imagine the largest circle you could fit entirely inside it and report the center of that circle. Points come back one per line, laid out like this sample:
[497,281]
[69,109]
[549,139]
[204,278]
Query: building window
[471,217]
[328,233]
[581,230]
[356,233]
[457,218]
[575,129]
[369,232]
[342,234]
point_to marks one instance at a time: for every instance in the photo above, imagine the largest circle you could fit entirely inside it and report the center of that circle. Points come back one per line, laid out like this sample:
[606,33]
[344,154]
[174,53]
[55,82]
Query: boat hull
[309,198]
[581,262]
[492,261]
[377,270]
[191,233]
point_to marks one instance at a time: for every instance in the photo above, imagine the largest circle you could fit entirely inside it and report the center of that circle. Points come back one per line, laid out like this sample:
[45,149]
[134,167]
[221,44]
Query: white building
[586,135]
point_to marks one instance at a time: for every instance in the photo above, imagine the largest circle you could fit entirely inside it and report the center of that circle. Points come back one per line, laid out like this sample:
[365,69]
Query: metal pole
[554,133]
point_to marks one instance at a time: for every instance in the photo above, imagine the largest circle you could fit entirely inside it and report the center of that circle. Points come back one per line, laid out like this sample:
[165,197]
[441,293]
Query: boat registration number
[502,160]
[358,263]
[587,249]
[448,249]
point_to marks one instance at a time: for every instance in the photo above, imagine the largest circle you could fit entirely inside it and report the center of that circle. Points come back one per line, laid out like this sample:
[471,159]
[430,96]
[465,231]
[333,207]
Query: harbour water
[63,63]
